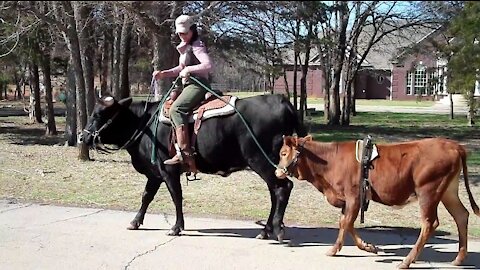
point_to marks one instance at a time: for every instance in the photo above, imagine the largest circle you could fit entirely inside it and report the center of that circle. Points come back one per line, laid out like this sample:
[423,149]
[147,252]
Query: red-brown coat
[427,170]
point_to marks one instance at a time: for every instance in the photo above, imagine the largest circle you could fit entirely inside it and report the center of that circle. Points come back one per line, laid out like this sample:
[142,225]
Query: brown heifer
[427,170]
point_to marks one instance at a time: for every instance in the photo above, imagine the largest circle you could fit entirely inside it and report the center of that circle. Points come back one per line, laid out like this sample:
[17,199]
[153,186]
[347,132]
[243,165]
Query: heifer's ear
[308,138]
[288,140]
[125,102]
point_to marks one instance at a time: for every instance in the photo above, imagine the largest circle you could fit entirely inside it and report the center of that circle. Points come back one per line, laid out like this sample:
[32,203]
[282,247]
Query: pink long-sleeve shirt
[200,51]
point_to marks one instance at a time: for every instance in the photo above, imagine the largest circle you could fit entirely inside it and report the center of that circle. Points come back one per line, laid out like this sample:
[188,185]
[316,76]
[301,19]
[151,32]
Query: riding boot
[185,155]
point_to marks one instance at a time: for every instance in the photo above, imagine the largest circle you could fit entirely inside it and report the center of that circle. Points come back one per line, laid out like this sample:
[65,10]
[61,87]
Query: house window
[409,83]
[418,81]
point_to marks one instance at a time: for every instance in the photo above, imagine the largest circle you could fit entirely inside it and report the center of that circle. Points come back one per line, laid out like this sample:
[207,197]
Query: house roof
[383,53]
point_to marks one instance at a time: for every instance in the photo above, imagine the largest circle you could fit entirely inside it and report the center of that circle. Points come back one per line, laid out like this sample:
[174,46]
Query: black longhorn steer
[224,145]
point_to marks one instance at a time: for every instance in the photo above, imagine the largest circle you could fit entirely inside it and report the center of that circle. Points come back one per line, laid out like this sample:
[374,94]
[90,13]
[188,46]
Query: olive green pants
[191,96]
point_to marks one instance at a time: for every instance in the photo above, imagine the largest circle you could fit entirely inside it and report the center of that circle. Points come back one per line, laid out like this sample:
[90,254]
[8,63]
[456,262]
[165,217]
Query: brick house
[404,67]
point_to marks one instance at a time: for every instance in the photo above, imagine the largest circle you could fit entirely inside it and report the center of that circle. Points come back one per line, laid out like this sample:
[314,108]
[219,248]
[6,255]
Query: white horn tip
[108,101]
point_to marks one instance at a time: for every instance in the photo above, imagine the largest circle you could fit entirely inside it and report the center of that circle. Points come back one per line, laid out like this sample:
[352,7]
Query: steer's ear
[125,102]
[308,138]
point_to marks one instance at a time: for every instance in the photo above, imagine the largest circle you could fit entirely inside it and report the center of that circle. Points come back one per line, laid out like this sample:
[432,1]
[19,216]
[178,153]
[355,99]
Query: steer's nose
[80,137]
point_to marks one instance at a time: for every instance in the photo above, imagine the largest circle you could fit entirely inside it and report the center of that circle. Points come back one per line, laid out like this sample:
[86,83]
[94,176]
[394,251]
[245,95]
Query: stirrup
[189,179]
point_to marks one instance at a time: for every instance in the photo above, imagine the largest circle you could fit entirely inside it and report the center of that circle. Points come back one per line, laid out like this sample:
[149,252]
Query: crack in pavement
[61,220]
[148,252]
[80,216]
[165,216]
[15,208]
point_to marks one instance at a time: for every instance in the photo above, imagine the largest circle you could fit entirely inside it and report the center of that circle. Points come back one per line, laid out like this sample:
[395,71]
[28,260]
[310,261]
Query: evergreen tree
[464,64]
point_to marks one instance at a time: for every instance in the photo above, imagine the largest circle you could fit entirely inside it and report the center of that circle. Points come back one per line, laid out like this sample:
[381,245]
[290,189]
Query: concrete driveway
[36,236]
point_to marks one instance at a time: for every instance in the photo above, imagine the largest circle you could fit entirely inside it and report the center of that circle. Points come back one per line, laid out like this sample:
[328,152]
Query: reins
[241,117]
[154,117]
[138,132]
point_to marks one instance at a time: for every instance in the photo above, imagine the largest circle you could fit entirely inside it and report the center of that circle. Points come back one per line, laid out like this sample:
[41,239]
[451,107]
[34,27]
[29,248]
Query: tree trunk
[326,95]
[295,79]
[125,57]
[74,47]
[471,107]
[165,56]
[71,118]
[105,60]
[286,83]
[451,106]
[51,126]
[35,86]
[85,40]
[347,99]
[303,83]
[115,78]
[18,86]
[5,88]
[338,64]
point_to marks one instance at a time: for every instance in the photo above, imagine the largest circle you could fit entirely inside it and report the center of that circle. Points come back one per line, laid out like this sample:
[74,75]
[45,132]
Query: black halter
[294,161]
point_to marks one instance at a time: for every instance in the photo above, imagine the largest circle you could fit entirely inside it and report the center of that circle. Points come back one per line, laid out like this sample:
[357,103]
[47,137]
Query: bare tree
[84,25]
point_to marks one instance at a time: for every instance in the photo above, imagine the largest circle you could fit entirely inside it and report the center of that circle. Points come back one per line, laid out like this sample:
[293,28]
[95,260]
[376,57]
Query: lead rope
[153,156]
[241,117]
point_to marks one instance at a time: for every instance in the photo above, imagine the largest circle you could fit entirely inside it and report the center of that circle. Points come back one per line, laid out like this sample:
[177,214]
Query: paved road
[49,237]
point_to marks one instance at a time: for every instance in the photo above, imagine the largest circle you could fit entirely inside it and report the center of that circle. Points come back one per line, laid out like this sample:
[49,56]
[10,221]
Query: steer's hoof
[262,235]
[281,236]
[403,265]
[134,225]
[174,232]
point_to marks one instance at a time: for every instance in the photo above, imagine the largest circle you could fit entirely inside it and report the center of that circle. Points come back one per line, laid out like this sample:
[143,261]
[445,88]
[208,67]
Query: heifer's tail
[474,205]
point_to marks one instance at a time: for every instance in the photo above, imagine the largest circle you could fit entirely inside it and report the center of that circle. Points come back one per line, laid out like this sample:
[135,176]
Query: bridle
[138,132]
[96,133]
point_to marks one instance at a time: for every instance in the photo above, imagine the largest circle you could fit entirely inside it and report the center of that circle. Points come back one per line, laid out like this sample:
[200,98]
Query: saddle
[210,107]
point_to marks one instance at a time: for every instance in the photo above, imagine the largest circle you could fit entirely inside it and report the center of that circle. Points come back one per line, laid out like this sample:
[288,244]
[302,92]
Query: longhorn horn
[108,101]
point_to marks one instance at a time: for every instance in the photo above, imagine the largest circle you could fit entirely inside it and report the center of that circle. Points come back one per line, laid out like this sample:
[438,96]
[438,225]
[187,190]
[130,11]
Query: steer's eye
[283,153]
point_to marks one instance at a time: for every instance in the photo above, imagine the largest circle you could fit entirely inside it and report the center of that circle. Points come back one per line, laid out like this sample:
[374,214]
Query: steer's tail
[300,128]
[463,155]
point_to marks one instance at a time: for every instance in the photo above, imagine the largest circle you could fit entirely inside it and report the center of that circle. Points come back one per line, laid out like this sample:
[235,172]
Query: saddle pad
[213,108]
[359,151]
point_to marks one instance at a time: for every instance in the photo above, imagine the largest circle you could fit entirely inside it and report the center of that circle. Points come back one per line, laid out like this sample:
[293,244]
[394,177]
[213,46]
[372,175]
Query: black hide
[224,145]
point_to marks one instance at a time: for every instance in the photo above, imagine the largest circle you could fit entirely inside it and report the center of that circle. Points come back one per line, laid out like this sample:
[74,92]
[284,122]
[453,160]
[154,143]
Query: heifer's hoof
[134,225]
[403,265]
[457,262]
[371,248]
[263,235]
[174,231]
[332,252]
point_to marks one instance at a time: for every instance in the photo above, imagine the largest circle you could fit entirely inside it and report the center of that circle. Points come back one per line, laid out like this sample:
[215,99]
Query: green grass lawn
[387,127]
[37,168]
[368,102]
